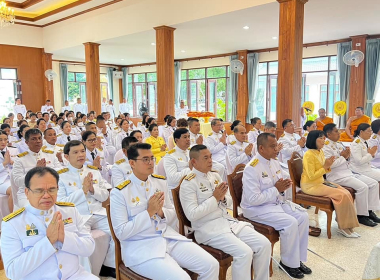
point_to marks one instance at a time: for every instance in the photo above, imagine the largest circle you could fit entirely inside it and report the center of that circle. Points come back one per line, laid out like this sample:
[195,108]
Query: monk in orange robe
[323,119]
[352,124]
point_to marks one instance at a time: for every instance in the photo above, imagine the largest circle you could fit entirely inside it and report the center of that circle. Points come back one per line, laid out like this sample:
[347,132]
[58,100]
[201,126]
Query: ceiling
[324,20]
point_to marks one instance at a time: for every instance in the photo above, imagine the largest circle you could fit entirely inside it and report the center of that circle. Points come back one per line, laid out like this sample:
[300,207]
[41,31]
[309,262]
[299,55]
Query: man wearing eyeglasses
[45,239]
[83,185]
[141,212]
[33,157]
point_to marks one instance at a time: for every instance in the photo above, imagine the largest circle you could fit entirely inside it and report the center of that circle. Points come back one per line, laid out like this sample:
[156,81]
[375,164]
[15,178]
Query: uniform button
[42,212]
[60,266]
[46,219]
[142,184]
[156,228]
[51,211]
[89,202]
[147,189]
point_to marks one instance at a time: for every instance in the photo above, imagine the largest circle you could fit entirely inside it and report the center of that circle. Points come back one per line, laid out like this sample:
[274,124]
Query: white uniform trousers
[101,223]
[246,247]
[367,192]
[221,169]
[180,254]
[4,186]
[294,233]
[374,174]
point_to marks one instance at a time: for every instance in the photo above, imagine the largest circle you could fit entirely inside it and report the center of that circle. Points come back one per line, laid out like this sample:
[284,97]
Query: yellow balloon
[340,108]
[308,107]
[376,110]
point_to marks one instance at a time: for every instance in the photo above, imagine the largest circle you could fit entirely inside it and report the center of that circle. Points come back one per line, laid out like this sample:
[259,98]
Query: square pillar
[242,92]
[93,77]
[47,63]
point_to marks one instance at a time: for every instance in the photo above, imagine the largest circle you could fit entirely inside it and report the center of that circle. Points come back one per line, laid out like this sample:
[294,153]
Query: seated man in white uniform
[367,189]
[141,212]
[239,151]
[50,144]
[182,111]
[291,141]
[33,157]
[45,239]
[121,168]
[204,198]
[375,141]
[19,108]
[216,142]
[263,185]
[47,107]
[84,186]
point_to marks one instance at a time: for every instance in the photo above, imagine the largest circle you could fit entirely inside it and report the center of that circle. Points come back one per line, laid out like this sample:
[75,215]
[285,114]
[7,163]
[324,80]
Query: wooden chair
[223,258]
[235,185]
[323,203]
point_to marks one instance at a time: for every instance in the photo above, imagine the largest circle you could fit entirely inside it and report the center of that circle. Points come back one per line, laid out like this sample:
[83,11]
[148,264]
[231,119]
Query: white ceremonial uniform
[375,141]
[64,138]
[236,153]
[5,171]
[79,108]
[21,146]
[111,109]
[19,109]
[78,130]
[176,166]
[181,113]
[123,108]
[253,134]
[230,138]
[367,189]
[28,254]
[166,132]
[64,108]
[89,205]
[213,226]
[107,144]
[103,154]
[104,107]
[290,146]
[217,148]
[23,163]
[149,246]
[261,203]
[119,138]
[57,148]
[46,108]
[360,159]
[120,171]
[12,139]
[220,168]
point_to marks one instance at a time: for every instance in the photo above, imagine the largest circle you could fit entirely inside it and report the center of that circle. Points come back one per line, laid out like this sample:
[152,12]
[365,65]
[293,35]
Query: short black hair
[178,132]
[307,124]
[170,119]
[4,126]
[263,139]
[255,120]
[182,123]
[48,130]
[46,113]
[3,133]
[192,120]
[153,125]
[87,134]
[100,118]
[20,122]
[10,115]
[285,122]
[72,143]
[33,115]
[361,108]
[234,124]
[361,127]
[375,126]
[328,128]
[311,141]
[39,171]
[270,125]
[166,118]
[32,131]
[134,132]
[63,124]
[89,124]
[215,121]
[123,121]
[133,153]
[20,130]
[194,151]
[39,121]
[127,141]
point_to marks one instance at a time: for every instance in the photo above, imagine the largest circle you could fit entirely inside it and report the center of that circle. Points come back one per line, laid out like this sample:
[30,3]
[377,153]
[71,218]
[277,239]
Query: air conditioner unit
[118,74]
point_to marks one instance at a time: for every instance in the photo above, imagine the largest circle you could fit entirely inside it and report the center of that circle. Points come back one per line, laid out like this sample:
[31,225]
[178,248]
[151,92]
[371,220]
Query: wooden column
[290,61]
[94,98]
[121,88]
[242,93]
[165,71]
[47,64]
[357,77]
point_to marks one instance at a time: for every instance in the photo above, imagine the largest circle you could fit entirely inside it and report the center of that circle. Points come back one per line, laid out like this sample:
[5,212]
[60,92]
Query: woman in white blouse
[66,135]
[169,128]
[122,134]
[20,144]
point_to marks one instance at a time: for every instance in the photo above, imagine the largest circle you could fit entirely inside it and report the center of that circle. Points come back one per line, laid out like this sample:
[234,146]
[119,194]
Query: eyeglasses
[147,160]
[40,192]
[91,140]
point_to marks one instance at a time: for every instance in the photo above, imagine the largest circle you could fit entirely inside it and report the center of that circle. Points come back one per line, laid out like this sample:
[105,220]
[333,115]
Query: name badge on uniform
[31,230]
[136,200]
[157,191]
[180,159]
[264,174]
[203,188]
[278,171]
[95,181]
[67,221]
[216,182]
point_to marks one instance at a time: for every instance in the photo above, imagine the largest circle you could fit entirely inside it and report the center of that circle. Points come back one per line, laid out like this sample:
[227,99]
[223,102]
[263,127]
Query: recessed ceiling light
[153,44]
[183,51]
[274,38]
[122,59]
[246,27]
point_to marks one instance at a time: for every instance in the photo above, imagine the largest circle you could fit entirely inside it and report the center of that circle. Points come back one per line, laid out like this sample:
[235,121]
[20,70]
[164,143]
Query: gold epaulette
[100,149]
[92,167]
[116,128]
[120,161]
[23,154]
[282,135]
[43,147]
[63,170]
[327,142]
[158,176]
[253,129]
[200,133]
[17,141]
[254,162]
[190,177]
[210,134]
[374,137]
[61,203]
[59,135]
[14,214]
[306,134]
[60,145]
[171,151]
[123,185]
[47,151]
[357,141]
[233,143]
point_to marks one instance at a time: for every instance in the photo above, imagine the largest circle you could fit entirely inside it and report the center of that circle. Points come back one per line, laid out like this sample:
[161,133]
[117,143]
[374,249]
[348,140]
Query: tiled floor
[349,253]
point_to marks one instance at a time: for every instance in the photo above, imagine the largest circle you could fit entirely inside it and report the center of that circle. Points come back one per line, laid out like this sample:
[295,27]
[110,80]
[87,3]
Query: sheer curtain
[344,76]
[253,67]
[125,83]
[233,90]
[64,83]
[177,83]
[371,71]
[110,81]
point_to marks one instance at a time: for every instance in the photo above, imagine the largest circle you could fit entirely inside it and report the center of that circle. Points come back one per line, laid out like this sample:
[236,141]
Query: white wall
[21,35]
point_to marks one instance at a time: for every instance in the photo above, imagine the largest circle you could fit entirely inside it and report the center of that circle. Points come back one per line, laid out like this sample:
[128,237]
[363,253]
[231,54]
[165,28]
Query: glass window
[139,78]
[317,81]
[333,63]
[8,74]
[273,67]
[259,108]
[216,72]
[152,77]
[71,77]
[8,91]
[103,78]
[273,97]
[183,74]
[80,77]
[197,73]
[263,68]
[315,64]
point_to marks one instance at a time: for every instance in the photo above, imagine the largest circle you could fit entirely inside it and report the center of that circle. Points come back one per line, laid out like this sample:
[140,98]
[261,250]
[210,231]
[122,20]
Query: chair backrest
[295,170]
[228,165]
[183,221]
[119,155]
[118,259]
[235,184]
[160,170]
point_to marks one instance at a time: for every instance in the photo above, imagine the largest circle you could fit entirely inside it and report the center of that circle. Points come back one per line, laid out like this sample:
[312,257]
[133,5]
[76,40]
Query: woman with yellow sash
[353,123]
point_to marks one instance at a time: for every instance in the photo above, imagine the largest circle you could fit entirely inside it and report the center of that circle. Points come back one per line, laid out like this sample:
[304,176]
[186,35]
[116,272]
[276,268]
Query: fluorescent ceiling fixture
[153,44]
[183,51]
[246,27]
[274,38]
[122,59]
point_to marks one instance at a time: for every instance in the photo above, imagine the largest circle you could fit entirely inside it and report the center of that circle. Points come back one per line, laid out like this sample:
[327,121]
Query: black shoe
[304,269]
[294,272]
[373,217]
[364,220]
[107,271]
